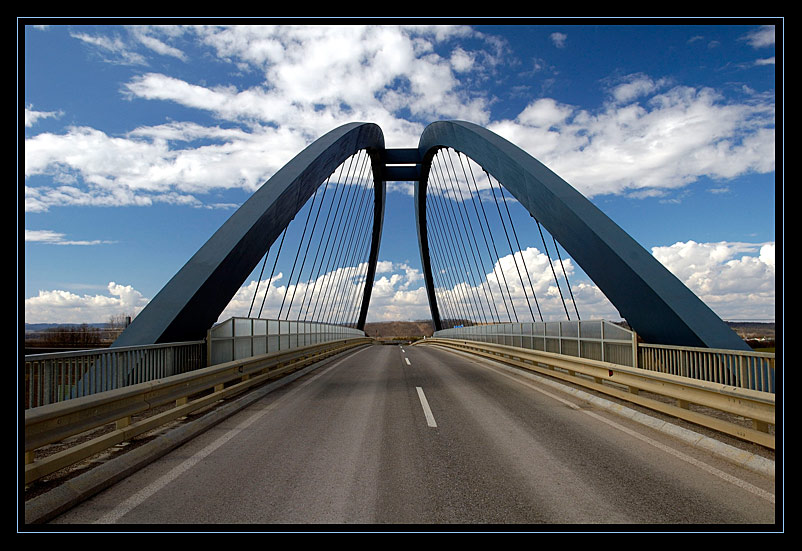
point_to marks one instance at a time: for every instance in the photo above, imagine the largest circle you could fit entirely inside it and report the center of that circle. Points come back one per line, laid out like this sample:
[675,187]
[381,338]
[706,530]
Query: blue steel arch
[654,302]
[193,299]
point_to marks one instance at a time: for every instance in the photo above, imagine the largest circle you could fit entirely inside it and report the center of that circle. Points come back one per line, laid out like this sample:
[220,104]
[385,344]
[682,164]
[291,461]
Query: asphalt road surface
[396,435]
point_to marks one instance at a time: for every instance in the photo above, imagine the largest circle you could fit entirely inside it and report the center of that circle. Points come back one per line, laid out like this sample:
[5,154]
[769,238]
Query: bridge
[504,415]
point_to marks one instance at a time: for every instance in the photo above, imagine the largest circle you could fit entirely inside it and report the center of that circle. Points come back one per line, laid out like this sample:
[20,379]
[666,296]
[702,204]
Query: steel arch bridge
[653,301]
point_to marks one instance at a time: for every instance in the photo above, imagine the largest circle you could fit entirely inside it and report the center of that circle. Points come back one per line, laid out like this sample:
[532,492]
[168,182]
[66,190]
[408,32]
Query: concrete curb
[45,507]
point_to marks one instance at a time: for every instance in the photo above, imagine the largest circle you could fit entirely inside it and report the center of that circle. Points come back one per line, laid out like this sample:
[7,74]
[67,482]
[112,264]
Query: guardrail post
[762,426]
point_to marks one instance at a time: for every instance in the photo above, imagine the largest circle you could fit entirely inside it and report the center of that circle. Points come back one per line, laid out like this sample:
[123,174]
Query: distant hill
[400,329]
[420,328]
[44,326]
[752,329]
[745,330]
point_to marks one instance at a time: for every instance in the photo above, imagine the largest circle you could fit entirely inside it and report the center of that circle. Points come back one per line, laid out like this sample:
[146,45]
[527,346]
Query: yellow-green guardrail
[627,383]
[188,392]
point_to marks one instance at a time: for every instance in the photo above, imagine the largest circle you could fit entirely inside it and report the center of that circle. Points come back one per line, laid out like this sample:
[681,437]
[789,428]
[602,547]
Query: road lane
[583,470]
[353,443]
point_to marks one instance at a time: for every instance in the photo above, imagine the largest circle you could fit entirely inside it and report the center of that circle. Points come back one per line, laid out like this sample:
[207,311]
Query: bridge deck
[395,434]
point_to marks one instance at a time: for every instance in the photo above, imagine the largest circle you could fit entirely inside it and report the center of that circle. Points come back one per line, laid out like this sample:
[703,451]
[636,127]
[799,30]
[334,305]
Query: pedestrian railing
[143,407]
[593,339]
[607,342]
[54,377]
[237,338]
[742,369]
[58,376]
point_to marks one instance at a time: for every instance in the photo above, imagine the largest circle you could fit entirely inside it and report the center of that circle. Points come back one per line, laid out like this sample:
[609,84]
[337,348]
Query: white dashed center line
[426,410]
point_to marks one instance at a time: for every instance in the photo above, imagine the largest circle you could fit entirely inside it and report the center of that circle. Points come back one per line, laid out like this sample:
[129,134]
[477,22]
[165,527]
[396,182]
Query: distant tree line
[78,336]
[761,343]
[67,336]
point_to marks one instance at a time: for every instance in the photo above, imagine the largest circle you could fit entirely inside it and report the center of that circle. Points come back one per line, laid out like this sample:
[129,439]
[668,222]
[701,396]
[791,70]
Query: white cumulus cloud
[60,306]
[737,280]
[673,138]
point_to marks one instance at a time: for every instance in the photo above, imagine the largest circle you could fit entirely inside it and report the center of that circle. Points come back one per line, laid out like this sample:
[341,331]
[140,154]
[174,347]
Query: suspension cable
[487,247]
[507,235]
[346,226]
[556,281]
[442,251]
[435,255]
[328,280]
[269,281]
[258,281]
[361,262]
[323,272]
[463,301]
[523,261]
[493,241]
[443,276]
[345,285]
[308,244]
[485,288]
[469,231]
[292,272]
[317,252]
[351,305]
[565,275]
[463,256]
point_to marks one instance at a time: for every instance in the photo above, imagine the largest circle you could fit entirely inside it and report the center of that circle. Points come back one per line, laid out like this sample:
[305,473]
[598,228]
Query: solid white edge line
[426,409]
[768,496]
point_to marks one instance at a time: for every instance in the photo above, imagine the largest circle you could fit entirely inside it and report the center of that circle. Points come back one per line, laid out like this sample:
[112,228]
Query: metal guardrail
[58,376]
[188,392]
[635,385]
[604,341]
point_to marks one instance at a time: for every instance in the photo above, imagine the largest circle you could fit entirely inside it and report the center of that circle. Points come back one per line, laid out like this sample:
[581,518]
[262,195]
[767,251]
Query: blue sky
[140,141]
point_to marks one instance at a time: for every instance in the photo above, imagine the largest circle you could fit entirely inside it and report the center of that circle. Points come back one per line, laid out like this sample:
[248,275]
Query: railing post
[602,339]
[560,336]
[47,384]
[741,371]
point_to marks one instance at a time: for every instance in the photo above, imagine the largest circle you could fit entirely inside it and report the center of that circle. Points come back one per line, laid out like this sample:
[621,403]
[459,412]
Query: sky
[140,141]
